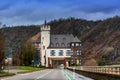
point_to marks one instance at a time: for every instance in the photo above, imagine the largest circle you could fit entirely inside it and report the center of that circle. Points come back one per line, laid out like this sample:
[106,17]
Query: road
[48,74]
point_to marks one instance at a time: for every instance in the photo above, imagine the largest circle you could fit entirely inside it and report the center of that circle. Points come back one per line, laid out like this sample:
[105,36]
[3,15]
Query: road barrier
[115,70]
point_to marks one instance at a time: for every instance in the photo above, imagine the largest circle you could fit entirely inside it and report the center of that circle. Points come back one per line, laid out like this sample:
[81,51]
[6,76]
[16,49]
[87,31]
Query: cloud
[36,11]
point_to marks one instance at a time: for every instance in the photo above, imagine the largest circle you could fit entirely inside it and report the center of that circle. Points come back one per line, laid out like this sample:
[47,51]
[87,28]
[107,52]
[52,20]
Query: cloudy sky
[23,12]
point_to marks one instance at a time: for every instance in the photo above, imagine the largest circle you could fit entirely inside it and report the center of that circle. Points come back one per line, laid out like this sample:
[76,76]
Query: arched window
[73,44]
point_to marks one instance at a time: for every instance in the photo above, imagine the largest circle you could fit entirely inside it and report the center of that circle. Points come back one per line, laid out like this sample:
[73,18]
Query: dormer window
[77,44]
[63,45]
[72,44]
[57,44]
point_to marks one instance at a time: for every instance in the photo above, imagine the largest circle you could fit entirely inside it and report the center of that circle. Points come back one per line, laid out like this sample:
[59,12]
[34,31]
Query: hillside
[100,39]
[17,35]
[103,41]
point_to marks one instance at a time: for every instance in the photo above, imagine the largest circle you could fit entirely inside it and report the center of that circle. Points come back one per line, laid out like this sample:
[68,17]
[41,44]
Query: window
[72,44]
[52,53]
[77,44]
[78,52]
[43,47]
[61,53]
[68,53]
[71,52]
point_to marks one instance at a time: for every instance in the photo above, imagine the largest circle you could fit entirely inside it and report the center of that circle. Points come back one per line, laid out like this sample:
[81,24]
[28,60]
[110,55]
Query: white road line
[44,75]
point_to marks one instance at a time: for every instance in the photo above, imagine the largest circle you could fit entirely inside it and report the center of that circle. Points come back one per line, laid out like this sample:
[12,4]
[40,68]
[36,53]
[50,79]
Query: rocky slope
[103,39]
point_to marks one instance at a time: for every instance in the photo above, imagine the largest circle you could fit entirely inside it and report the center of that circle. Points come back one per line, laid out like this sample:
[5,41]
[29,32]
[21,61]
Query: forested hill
[99,38]
[72,25]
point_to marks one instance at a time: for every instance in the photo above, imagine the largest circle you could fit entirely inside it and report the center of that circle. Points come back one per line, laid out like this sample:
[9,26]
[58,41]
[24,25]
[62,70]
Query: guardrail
[115,70]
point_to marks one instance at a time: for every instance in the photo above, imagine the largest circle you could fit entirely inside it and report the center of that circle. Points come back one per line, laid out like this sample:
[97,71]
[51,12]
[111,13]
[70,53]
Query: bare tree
[2,48]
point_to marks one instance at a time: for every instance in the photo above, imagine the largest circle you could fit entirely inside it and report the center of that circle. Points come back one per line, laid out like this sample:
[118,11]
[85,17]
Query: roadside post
[7,64]
[74,73]
[33,63]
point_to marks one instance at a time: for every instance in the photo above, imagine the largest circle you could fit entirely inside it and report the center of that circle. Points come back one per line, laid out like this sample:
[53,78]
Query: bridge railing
[99,69]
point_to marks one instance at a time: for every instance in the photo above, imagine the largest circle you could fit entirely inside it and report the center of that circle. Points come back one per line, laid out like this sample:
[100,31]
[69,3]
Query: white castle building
[55,49]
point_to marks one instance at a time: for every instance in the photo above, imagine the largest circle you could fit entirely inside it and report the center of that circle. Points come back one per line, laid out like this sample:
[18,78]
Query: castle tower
[45,41]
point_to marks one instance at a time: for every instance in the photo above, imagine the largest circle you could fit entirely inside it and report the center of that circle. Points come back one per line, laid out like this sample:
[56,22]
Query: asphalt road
[48,74]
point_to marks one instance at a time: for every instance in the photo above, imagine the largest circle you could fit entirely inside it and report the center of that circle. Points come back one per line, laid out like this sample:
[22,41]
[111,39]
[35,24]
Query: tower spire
[45,22]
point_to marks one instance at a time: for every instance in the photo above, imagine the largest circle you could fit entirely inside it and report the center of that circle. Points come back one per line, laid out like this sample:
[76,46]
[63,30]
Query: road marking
[44,75]
[68,75]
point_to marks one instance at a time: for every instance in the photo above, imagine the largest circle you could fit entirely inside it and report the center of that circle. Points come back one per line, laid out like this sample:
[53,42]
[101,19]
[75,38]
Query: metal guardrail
[115,70]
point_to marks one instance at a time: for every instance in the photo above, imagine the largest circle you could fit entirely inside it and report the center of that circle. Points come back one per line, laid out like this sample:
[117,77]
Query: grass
[23,69]
[2,74]
[26,69]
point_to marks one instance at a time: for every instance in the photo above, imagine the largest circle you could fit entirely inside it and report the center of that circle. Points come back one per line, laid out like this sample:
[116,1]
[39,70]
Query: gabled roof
[62,40]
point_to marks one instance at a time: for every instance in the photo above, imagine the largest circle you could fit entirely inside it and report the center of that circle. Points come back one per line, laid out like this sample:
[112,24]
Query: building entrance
[57,63]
